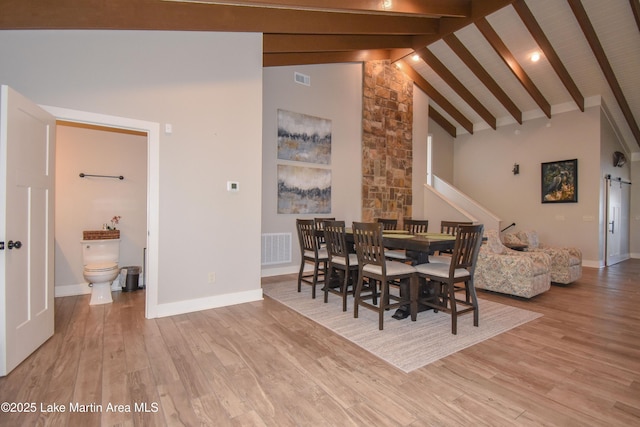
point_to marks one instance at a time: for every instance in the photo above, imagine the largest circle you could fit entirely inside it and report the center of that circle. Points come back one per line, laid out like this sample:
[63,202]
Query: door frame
[153,192]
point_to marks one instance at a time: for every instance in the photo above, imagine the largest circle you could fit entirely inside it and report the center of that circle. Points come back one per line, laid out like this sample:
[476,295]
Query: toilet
[100,259]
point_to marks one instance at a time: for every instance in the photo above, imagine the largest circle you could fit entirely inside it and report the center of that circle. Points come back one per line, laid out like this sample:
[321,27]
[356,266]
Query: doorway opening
[152,130]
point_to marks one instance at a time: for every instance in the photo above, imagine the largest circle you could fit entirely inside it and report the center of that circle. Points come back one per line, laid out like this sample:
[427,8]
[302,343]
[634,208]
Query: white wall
[335,94]
[483,165]
[87,203]
[209,87]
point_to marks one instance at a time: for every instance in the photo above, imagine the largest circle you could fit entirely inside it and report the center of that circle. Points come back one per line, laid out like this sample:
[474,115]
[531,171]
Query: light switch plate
[233,186]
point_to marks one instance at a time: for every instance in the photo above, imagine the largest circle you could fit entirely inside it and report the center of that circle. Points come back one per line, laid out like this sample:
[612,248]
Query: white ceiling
[618,33]
[299,32]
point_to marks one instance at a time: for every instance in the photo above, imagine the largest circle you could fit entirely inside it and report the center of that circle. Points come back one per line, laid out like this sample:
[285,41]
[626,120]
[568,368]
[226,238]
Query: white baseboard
[80,289]
[279,271]
[71,290]
[189,306]
[592,264]
[602,264]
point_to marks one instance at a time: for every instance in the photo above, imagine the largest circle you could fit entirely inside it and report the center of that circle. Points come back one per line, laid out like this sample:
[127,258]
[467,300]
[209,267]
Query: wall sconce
[516,169]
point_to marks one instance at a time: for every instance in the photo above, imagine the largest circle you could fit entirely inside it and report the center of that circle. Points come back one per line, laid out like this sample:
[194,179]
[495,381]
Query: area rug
[405,344]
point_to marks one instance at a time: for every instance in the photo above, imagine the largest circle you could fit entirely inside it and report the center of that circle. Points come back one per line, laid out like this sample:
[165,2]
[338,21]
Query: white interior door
[27,146]
[614,223]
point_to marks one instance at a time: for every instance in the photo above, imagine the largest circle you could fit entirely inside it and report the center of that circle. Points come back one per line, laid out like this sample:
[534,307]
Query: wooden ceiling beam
[591,36]
[284,59]
[549,52]
[168,15]
[436,65]
[431,8]
[442,122]
[479,9]
[476,68]
[290,43]
[505,54]
[436,96]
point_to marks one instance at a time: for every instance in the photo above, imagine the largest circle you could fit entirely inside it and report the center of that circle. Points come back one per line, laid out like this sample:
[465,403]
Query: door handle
[11,244]
[613,225]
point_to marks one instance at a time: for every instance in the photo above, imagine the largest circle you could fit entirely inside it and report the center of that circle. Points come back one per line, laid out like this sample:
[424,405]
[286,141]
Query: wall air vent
[302,79]
[276,248]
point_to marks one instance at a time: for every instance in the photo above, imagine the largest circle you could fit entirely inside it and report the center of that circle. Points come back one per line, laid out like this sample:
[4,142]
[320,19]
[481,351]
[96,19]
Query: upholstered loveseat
[566,262]
[500,269]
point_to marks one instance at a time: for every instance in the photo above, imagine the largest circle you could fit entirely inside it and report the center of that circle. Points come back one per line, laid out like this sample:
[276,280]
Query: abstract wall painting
[560,181]
[303,138]
[303,190]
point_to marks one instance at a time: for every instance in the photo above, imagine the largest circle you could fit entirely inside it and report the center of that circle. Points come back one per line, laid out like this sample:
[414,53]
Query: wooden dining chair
[451,228]
[374,267]
[319,224]
[388,223]
[343,262]
[392,254]
[415,226]
[412,226]
[311,252]
[444,280]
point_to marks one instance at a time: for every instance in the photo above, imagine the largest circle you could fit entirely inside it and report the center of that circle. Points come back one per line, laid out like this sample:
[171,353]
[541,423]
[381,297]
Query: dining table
[419,245]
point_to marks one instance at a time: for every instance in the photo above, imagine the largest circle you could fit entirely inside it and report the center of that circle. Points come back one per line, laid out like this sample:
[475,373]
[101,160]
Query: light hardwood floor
[263,364]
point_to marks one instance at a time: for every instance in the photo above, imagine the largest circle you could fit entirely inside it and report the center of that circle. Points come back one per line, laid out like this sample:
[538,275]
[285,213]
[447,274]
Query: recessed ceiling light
[535,56]
[416,57]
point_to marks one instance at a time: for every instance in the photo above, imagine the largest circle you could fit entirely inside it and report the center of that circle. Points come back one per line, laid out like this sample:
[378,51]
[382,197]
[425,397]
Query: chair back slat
[334,235]
[319,222]
[415,226]
[388,223]
[451,227]
[307,235]
[368,241]
[467,246]
[319,225]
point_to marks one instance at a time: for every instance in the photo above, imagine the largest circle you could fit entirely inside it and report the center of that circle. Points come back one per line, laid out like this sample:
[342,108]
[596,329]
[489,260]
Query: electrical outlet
[212,277]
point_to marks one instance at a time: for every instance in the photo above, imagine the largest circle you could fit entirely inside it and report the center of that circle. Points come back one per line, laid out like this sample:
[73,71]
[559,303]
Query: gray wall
[483,164]
[209,87]
[634,244]
[87,203]
[335,94]
[442,152]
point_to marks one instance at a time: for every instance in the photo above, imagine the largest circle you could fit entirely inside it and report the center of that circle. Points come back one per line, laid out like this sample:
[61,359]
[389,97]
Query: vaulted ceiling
[471,57]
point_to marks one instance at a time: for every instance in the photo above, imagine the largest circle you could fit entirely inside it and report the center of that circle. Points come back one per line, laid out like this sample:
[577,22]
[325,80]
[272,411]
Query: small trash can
[133,276]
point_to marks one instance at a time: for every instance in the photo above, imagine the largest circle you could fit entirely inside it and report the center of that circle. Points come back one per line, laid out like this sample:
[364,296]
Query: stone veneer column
[387,142]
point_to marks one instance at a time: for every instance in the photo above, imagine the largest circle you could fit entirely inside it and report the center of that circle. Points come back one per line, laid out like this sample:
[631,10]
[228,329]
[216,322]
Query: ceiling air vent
[302,79]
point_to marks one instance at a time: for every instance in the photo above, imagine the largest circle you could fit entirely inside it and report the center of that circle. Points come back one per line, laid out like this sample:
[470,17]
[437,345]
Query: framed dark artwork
[560,181]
